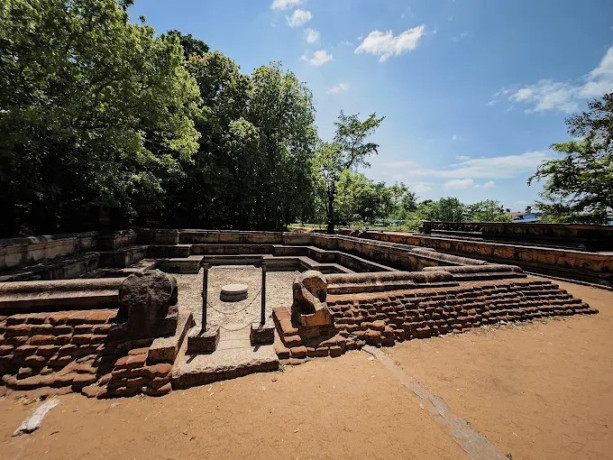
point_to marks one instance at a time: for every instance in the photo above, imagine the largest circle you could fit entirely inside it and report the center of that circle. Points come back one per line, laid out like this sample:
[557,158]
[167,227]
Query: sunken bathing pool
[142,311]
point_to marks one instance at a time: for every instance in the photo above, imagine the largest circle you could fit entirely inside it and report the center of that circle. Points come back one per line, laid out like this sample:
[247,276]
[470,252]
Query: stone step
[194,370]
[65,294]
[189,264]
[66,267]
[122,258]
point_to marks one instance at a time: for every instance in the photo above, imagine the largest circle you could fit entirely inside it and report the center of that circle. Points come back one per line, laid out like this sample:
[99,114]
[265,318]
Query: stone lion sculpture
[147,306]
[309,307]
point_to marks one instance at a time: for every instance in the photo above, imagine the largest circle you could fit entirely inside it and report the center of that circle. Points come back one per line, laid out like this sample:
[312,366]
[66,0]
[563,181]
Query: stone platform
[231,360]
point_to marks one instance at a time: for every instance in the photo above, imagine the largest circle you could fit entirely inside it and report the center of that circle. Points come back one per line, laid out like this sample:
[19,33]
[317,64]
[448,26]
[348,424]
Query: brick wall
[384,318]
[70,352]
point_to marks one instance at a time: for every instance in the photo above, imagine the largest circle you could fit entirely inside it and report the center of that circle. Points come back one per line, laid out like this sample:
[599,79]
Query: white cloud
[281,5]
[320,57]
[459,184]
[312,36]
[385,44]
[298,18]
[489,184]
[421,187]
[565,97]
[501,167]
[340,88]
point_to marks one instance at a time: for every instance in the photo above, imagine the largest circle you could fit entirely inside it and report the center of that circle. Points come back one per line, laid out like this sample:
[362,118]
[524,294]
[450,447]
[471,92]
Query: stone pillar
[205,290]
[263,302]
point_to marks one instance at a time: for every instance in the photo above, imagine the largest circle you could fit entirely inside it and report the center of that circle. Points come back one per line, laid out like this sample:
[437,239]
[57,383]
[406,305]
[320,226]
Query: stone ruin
[97,313]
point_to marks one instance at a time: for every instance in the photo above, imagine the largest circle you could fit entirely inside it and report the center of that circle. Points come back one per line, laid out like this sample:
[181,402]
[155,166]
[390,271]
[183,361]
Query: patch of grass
[281,368]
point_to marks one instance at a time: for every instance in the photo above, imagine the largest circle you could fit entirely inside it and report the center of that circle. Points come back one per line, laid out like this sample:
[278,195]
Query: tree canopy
[579,186]
[94,110]
[349,149]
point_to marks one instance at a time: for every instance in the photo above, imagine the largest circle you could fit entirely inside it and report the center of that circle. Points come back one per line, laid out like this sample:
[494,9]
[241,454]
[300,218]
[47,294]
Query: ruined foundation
[93,313]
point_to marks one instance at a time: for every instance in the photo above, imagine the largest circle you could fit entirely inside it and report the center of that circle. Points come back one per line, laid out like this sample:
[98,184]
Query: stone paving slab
[223,364]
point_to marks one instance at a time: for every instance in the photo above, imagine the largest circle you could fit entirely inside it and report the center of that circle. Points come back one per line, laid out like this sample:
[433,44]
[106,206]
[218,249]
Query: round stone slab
[234,292]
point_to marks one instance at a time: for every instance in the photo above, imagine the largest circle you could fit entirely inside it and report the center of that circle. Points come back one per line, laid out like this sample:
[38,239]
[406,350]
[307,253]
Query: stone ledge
[165,349]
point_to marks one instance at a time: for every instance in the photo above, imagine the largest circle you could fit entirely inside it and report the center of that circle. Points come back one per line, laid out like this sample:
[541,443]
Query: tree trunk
[330,209]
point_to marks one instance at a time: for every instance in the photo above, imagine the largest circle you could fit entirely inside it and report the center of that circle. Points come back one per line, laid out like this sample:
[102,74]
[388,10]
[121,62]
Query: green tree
[448,209]
[487,211]
[349,149]
[579,186]
[94,111]
[403,202]
[359,198]
[190,44]
[253,169]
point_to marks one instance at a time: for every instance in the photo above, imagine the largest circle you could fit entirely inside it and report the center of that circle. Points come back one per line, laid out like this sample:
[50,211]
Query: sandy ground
[342,408]
[541,390]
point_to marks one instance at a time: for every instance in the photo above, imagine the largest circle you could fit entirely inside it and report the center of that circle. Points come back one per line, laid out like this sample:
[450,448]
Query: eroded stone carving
[309,307]
[147,304]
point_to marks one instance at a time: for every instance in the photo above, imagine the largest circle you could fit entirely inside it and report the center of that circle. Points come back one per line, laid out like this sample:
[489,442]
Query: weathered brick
[161,391]
[47,350]
[281,350]
[61,330]
[158,382]
[138,351]
[59,361]
[6,349]
[101,316]
[18,330]
[298,352]
[41,329]
[82,339]
[83,379]
[42,340]
[91,391]
[59,318]
[35,360]
[161,369]
[83,329]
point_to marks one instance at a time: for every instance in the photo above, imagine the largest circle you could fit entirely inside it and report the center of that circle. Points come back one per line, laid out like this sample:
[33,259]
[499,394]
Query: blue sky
[474,91]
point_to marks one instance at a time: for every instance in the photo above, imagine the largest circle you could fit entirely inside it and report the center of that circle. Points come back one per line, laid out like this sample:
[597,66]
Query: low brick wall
[69,351]
[384,318]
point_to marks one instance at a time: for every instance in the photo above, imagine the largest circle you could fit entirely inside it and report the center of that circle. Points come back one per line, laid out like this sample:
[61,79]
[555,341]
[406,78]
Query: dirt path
[330,408]
[541,390]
